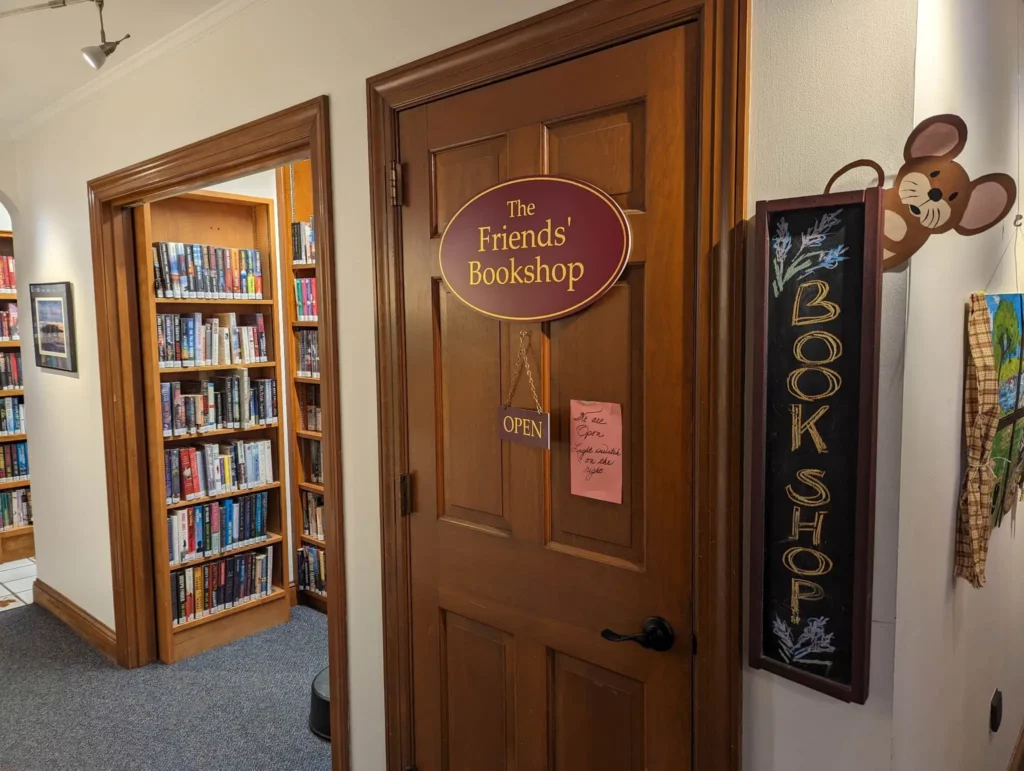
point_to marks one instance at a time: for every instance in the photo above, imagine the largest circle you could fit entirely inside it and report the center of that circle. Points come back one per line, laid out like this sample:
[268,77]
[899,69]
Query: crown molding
[187,33]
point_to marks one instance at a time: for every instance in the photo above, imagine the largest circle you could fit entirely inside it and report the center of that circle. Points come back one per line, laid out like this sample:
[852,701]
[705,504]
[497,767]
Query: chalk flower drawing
[812,640]
[809,256]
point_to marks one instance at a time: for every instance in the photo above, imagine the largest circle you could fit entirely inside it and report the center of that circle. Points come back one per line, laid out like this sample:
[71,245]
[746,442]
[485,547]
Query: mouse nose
[935,194]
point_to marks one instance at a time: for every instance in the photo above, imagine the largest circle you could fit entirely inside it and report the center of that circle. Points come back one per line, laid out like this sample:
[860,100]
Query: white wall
[955,645]
[231,74]
[831,83]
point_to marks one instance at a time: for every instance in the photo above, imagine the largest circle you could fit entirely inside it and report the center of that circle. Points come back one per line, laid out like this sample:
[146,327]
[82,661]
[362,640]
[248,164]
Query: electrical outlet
[995,712]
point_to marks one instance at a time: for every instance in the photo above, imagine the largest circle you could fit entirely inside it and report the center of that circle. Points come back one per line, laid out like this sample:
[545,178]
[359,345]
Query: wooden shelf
[277,594]
[272,540]
[235,222]
[6,295]
[309,486]
[14,485]
[196,301]
[304,379]
[17,543]
[313,599]
[210,498]
[10,344]
[219,432]
[12,392]
[216,367]
[303,266]
[312,541]
[308,434]
[13,438]
[305,324]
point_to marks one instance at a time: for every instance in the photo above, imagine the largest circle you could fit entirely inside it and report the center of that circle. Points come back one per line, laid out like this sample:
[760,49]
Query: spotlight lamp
[95,56]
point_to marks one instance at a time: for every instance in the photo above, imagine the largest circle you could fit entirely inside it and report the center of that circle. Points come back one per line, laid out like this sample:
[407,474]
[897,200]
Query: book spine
[158,282]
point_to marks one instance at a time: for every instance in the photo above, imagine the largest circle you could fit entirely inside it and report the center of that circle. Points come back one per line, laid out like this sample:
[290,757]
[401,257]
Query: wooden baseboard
[85,625]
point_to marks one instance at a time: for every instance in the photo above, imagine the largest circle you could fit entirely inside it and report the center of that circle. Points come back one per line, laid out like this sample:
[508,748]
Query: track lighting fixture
[95,56]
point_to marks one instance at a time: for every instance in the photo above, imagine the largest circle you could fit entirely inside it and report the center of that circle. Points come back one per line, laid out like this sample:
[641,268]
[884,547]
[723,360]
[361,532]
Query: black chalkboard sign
[818,274]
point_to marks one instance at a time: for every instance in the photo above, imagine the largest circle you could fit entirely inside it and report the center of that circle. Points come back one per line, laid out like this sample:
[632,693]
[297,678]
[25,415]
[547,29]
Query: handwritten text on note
[595,441]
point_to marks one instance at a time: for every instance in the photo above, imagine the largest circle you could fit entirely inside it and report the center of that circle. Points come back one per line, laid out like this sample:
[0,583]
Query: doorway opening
[217,324]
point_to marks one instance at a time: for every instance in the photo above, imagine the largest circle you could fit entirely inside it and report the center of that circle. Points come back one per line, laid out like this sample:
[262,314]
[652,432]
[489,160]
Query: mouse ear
[940,136]
[992,197]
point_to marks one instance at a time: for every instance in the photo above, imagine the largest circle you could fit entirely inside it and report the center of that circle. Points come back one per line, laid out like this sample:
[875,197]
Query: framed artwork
[818,268]
[53,326]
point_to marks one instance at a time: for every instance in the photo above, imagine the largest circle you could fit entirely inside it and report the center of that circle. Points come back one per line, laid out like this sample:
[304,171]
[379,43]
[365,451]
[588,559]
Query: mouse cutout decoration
[933,193]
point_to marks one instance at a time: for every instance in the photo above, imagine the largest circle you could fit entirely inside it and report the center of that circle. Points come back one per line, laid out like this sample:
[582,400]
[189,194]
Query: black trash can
[320,705]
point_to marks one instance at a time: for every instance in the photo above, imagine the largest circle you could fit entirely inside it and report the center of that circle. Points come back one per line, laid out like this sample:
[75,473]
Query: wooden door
[513,578]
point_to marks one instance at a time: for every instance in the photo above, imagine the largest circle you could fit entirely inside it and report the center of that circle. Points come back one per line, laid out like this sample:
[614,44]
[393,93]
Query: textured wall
[829,85]
[955,645]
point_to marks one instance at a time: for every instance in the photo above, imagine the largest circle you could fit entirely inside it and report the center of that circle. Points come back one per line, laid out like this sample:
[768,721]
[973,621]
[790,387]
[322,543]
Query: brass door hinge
[395,184]
[405,494]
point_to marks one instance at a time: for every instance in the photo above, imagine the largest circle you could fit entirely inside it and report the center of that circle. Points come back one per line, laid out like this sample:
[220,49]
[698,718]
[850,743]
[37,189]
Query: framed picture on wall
[818,273]
[53,326]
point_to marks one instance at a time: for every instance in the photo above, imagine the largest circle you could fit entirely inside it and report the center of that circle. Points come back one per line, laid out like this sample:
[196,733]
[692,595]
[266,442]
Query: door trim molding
[564,33]
[298,132]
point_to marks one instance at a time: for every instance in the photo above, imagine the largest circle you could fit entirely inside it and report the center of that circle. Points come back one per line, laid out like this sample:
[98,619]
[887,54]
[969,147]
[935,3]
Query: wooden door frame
[298,132]
[564,33]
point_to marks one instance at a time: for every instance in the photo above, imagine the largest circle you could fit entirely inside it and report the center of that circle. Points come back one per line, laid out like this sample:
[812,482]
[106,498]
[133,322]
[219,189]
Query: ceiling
[40,59]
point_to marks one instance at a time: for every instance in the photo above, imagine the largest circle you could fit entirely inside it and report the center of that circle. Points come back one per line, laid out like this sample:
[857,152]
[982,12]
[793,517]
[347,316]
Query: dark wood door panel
[597,720]
[513,578]
[471,385]
[479,676]
[472,115]
[601,353]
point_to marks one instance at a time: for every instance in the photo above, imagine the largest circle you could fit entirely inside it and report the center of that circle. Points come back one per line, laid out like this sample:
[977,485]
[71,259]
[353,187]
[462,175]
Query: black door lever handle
[656,636]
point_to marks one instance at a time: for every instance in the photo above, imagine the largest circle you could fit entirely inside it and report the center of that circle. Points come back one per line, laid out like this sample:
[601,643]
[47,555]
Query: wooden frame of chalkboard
[833,662]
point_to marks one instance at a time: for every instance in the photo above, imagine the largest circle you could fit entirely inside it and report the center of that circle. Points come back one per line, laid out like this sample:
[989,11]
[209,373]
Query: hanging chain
[521,360]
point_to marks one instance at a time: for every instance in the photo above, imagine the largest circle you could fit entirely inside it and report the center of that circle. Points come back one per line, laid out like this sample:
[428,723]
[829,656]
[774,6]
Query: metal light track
[42,7]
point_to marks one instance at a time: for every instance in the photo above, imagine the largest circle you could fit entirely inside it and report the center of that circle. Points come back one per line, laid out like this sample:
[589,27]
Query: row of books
[312,514]
[194,407]
[12,416]
[9,323]
[14,462]
[312,460]
[209,529]
[201,272]
[10,370]
[213,469]
[303,243]
[8,284]
[190,340]
[197,592]
[312,569]
[15,508]
[308,353]
[309,407]
[305,299]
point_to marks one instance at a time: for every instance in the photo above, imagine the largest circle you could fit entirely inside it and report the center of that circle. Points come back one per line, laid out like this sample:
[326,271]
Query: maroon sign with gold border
[535,248]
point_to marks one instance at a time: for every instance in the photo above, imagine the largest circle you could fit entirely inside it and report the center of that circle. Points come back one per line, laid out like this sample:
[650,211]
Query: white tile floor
[16,579]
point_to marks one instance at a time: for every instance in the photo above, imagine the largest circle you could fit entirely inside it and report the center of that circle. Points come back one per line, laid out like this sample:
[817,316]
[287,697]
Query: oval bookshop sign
[535,248]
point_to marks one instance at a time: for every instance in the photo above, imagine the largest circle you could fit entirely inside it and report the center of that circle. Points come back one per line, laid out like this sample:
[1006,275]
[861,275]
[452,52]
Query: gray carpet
[245,706]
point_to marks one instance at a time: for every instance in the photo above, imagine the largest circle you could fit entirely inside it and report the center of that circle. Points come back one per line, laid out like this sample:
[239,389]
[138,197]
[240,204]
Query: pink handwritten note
[595,462]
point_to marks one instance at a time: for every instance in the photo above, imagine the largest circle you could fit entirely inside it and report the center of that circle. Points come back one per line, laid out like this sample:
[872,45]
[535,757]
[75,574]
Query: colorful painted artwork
[1007,461]
[1005,312]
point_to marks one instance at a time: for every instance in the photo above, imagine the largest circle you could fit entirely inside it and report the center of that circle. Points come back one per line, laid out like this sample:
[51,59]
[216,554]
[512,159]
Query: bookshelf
[260,550]
[17,534]
[295,205]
